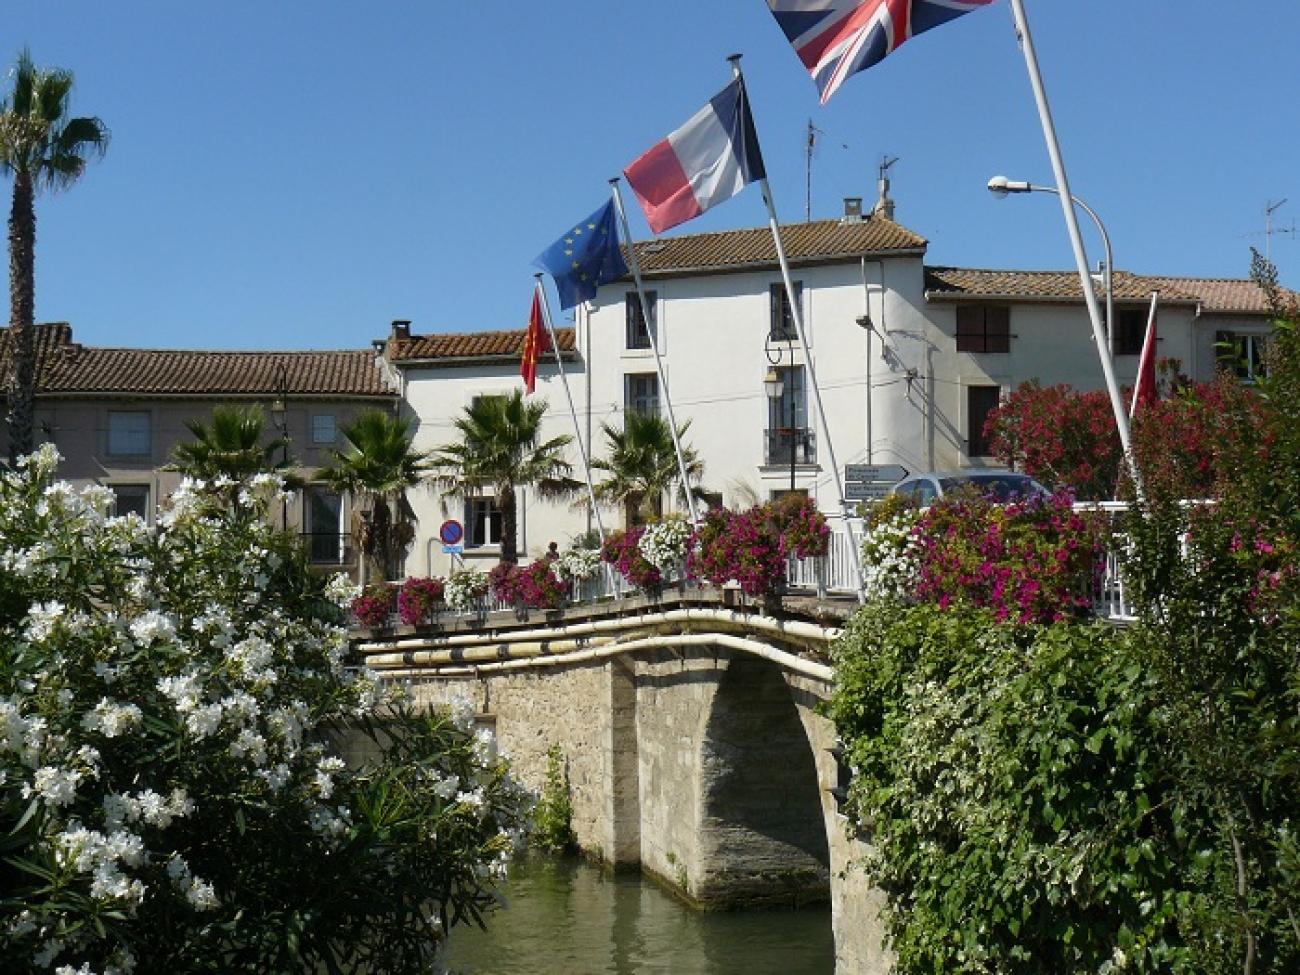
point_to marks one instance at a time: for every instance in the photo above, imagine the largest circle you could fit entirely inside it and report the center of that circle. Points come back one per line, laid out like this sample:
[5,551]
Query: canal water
[565,917]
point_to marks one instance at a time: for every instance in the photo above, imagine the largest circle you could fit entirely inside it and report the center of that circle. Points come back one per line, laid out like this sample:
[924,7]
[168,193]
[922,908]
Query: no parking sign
[452,533]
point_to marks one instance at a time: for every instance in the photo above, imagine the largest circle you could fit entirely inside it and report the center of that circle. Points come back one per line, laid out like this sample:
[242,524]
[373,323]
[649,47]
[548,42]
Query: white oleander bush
[173,798]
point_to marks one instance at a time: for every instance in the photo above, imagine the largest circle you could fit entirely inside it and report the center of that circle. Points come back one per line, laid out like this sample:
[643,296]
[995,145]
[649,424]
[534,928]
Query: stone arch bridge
[693,742]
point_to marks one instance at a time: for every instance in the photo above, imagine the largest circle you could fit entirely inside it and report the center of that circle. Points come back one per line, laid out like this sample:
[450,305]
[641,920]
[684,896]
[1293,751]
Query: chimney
[401,329]
[852,209]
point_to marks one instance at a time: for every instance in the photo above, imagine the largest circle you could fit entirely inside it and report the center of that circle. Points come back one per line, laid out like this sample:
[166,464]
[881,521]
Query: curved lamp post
[1001,187]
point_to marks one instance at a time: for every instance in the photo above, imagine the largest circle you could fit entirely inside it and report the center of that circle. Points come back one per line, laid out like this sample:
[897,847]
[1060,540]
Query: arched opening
[762,831]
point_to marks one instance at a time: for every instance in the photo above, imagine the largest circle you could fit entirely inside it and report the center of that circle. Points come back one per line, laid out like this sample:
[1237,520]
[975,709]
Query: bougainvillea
[535,585]
[418,600]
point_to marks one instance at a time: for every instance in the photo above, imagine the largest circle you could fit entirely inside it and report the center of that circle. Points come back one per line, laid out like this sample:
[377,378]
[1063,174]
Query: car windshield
[1001,487]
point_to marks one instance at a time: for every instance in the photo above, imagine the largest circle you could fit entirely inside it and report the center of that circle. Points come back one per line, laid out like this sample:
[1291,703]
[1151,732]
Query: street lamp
[280,419]
[774,386]
[1001,187]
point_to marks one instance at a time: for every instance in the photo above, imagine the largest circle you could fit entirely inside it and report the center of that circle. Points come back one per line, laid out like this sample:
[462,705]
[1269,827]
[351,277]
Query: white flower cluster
[201,895]
[891,558]
[464,590]
[576,563]
[663,544]
[104,856]
[341,590]
[111,719]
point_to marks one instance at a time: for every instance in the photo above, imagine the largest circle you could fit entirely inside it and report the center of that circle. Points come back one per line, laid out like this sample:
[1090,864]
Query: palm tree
[231,446]
[642,466]
[375,467]
[499,449]
[42,148]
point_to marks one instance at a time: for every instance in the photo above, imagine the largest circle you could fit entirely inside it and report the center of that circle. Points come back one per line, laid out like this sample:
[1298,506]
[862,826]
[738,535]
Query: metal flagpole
[577,429]
[1076,241]
[635,266]
[796,315]
[1146,342]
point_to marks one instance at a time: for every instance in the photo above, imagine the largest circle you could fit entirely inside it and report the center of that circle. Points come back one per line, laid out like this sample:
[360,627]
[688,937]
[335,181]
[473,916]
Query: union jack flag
[838,38]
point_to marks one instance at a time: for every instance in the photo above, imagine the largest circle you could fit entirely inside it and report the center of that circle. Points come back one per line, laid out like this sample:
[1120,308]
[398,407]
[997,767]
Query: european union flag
[586,257]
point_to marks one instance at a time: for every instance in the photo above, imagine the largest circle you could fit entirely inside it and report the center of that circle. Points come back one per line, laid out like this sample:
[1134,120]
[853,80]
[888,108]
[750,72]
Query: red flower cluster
[374,605]
[534,585]
[418,599]
[1030,561]
[740,545]
[622,551]
[800,527]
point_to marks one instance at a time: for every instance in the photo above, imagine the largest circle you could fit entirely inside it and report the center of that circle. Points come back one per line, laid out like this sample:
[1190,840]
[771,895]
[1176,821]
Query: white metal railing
[833,575]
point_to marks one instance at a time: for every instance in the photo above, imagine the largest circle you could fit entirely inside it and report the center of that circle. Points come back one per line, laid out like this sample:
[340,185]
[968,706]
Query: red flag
[535,344]
[1144,393]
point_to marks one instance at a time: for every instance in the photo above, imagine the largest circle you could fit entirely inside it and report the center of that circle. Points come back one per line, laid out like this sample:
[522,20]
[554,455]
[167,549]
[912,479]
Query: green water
[563,917]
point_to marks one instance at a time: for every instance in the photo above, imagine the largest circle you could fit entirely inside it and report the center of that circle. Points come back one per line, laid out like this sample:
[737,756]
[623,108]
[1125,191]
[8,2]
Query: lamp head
[772,383]
[1000,186]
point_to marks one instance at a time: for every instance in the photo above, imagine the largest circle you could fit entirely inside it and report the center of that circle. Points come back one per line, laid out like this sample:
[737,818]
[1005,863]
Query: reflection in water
[563,917]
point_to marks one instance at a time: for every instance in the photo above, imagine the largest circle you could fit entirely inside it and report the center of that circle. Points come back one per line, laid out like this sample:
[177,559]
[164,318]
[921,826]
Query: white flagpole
[577,428]
[1076,241]
[651,327]
[1146,347]
[796,315]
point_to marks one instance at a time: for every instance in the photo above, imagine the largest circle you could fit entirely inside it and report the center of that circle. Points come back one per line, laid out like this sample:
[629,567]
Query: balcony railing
[328,548]
[777,443]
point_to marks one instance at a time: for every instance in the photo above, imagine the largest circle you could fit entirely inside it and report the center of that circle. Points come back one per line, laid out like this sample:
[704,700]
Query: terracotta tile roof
[455,348]
[1215,295]
[741,250]
[65,368]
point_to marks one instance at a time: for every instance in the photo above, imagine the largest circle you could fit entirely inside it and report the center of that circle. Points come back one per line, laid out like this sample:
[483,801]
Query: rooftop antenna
[884,205]
[809,145]
[1268,227]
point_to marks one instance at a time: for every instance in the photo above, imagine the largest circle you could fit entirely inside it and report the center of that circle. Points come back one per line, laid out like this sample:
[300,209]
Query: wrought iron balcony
[778,441]
[328,548]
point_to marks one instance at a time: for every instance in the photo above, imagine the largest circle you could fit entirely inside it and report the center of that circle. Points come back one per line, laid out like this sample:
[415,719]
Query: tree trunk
[509,515]
[19,383]
[382,527]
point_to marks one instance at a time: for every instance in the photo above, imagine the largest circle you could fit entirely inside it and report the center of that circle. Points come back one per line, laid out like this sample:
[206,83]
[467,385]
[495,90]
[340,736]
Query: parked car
[1001,485]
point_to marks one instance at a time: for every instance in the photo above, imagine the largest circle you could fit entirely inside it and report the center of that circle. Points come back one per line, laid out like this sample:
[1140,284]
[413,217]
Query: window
[482,522]
[1242,354]
[129,433]
[980,402]
[782,322]
[638,336]
[641,392]
[131,499]
[326,540]
[322,428]
[983,328]
[788,435]
[1130,331]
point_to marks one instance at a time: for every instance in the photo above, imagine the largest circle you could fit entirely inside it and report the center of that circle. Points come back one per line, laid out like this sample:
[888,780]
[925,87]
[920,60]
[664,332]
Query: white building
[909,359]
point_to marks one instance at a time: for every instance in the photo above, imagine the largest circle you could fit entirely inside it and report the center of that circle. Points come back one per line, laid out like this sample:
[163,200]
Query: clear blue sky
[296,174]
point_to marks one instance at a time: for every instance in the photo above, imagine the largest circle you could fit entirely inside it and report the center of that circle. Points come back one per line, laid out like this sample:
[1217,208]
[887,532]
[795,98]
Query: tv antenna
[1269,209]
[809,145]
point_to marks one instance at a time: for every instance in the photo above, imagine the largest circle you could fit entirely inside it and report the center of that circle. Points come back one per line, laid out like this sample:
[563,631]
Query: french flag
[709,159]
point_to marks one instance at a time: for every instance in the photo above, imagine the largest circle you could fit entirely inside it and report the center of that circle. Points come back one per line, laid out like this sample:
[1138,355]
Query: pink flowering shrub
[418,600]
[623,551]
[534,585]
[741,546]
[801,528]
[1029,561]
[374,605]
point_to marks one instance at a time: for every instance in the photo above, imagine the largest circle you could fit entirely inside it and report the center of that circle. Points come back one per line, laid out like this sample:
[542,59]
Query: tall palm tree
[500,449]
[232,445]
[642,466]
[42,149]
[375,467]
